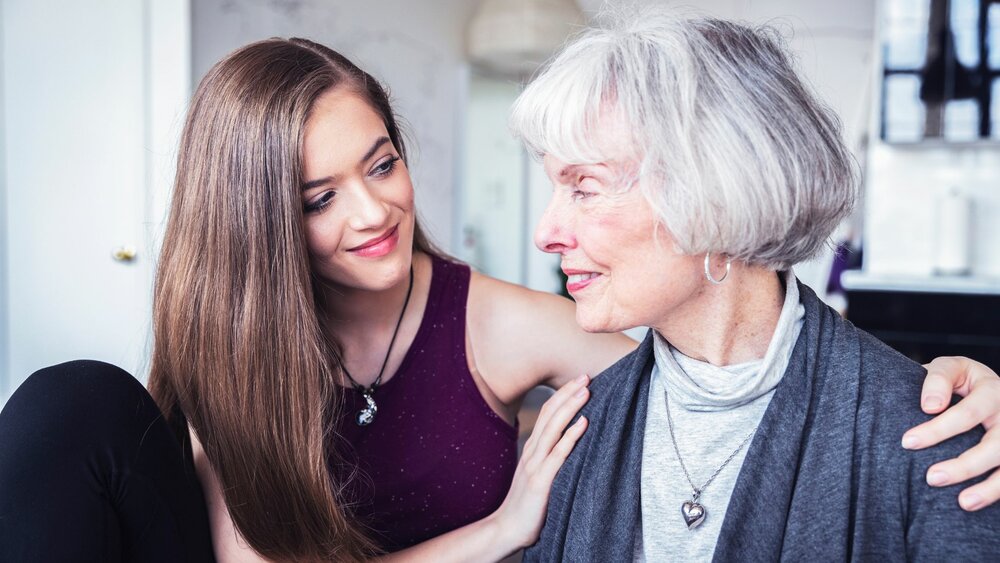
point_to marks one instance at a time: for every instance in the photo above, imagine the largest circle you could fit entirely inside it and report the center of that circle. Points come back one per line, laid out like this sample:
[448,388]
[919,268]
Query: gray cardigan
[825,478]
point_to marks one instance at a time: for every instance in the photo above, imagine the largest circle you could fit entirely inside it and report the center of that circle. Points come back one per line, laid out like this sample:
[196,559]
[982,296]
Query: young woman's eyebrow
[333,179]
[375,147]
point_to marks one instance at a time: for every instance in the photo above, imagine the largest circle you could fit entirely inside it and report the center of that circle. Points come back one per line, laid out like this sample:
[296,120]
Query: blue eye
[385,168]
[320,203]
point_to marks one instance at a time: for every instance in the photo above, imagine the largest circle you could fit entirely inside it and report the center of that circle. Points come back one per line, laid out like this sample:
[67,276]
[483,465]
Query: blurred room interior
[94,93]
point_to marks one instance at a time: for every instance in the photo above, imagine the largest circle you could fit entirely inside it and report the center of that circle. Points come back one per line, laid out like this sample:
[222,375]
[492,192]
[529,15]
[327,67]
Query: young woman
[342,387]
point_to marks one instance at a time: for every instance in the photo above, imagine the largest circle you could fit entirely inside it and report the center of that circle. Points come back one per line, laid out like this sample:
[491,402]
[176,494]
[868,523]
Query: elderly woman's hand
[980,387]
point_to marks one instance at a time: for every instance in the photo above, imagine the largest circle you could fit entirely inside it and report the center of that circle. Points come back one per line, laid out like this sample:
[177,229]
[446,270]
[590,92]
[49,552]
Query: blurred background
[94,92]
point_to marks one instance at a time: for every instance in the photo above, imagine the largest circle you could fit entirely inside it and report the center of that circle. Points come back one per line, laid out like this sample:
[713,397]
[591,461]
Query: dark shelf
[926,325]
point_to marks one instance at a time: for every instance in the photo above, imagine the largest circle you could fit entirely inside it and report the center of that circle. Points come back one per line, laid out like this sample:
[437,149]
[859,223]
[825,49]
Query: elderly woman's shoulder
[889,391]
[889,405]
[889,383]
[624,383]
[887,373]
[638,362]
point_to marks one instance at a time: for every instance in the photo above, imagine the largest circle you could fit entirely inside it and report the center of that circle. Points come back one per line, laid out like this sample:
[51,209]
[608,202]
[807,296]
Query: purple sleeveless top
[436,457]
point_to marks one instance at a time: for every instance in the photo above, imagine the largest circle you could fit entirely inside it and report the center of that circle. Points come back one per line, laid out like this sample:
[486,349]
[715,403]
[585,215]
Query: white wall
[492,184]
[503,193]
[902,204]
[169,91]
[417,49]
[4,307]
[903,199]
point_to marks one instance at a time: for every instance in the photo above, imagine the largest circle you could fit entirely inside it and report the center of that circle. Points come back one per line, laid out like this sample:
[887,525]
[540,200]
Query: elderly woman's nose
[367,210]
[553,233]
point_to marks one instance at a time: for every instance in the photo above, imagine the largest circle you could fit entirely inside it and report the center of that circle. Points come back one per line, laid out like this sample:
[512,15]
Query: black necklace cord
[378,380]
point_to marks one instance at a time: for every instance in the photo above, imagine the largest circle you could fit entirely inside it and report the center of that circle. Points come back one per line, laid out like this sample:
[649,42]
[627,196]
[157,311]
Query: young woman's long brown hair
[239,347]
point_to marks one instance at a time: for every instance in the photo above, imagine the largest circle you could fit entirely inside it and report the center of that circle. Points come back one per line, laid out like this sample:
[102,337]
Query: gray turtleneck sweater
[713,409]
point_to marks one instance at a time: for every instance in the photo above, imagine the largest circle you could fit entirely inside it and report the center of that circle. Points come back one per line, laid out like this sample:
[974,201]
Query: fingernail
[937,478]
[971,501]
[910,442]
[932,403]
[582,378]
[580,392]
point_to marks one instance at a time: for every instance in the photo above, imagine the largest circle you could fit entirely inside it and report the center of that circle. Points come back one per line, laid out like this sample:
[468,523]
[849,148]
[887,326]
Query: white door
[93,92]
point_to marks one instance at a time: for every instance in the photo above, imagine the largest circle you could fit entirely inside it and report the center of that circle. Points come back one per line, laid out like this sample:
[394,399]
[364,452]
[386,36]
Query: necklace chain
[368,391]
[697,490]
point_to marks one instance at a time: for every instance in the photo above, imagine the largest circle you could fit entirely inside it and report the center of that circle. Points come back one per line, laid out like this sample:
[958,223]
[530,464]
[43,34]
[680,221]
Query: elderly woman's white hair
[737,156]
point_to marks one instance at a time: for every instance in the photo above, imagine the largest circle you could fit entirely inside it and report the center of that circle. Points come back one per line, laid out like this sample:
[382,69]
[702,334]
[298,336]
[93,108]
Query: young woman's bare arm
[227,543]
[516,524]
[523,338]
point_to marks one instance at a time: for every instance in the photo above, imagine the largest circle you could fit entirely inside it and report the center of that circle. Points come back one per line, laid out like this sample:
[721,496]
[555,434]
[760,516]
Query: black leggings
[91,471]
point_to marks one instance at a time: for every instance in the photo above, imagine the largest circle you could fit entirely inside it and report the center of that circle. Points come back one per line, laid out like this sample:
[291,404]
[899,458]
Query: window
[942,65]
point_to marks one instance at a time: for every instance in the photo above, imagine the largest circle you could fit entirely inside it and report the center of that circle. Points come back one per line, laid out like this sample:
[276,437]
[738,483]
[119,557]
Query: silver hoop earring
[708,271]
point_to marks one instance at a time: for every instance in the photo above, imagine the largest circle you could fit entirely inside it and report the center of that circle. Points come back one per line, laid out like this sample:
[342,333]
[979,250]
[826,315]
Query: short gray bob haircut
[737,156]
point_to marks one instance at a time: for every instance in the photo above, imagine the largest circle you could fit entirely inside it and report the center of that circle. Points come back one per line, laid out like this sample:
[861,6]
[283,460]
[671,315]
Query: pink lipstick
[378,246]
[577,280]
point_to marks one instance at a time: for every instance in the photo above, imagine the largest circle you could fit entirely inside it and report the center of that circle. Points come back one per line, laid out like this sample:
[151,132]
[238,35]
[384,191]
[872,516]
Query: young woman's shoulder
[522,338]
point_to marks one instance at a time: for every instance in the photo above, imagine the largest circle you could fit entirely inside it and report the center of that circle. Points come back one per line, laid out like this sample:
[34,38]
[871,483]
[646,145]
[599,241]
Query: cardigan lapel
[594,508]
[790,476]
[777,493]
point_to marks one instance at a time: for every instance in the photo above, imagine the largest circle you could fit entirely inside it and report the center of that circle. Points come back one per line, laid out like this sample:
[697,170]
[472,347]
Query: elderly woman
[692,169]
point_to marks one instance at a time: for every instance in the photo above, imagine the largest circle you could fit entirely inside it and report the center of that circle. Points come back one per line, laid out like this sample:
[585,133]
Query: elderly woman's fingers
[981,494]
[972,463]
[945,376]
[981,404]
[554,417]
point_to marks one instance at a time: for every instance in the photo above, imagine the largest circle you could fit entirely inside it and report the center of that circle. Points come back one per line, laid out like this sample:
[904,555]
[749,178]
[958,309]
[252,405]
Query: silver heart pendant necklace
[694,513]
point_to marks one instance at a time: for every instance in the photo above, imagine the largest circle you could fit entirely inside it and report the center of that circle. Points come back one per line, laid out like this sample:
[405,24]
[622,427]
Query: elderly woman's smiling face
[623,269]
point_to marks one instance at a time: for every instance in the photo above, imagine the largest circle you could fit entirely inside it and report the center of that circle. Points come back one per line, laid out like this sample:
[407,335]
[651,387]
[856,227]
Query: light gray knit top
[713,410]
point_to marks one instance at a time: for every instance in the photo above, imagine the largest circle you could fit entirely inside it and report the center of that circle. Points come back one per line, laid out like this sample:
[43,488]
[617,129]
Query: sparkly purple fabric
[436,457]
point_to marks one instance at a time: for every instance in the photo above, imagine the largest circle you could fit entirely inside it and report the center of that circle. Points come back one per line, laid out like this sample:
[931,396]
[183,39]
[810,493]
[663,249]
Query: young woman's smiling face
[357,195]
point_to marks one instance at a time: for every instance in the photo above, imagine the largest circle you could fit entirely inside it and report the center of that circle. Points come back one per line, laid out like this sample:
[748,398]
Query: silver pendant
[694,514]
[367,414]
